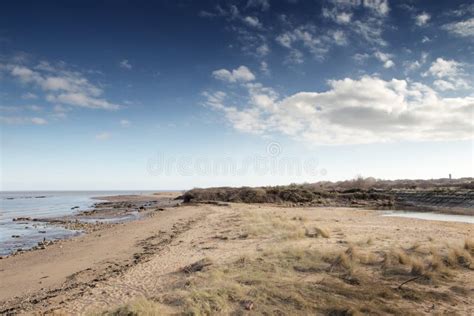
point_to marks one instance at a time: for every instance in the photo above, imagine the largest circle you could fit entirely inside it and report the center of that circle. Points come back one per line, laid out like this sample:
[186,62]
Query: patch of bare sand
[226,233]
[45,279]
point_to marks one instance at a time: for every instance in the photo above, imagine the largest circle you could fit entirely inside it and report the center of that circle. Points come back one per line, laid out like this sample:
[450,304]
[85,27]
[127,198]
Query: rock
[22,219]
[15,236]
[42,232]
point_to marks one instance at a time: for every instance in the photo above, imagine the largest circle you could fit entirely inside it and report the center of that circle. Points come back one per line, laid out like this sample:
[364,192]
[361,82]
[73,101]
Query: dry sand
[141,258]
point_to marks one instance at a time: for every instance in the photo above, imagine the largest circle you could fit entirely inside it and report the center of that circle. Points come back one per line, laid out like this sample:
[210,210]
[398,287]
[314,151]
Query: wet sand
[121,262]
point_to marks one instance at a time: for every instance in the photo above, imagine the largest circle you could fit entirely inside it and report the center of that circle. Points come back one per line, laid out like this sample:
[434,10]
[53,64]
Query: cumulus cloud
[422,18]
[125,64]
[351,111]
[444,68]
[463,28]
[385,59]
[449,73]
[241,74]
[59,85]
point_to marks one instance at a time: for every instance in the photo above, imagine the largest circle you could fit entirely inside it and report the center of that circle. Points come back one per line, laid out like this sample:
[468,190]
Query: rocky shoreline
[102,215]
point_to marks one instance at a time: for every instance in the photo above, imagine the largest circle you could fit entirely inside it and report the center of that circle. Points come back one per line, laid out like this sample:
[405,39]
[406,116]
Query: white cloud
[61,85]
[425,39]
[422,19]
[367,25]
[339,37]
[443,85]
[361,58]
[252,21]
[385,59]
[311,39]
[462,10]
[241,74]
[379,6]
[351,111]
[370,30]
[125,123]
[415,65]
[445,68]
[263,50]
[463,28]
[82,100]
[125,64]
[336,16]
[294,57]
[264,68]
[103,136]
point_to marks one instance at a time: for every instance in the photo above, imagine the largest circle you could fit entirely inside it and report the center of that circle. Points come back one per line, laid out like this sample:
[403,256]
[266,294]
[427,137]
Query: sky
[103,95]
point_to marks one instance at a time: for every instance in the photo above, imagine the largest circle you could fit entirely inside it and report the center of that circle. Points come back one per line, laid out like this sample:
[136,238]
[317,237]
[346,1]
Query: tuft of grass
[458,256]
[469,246]
[141,306]
[272,225]
[313,232]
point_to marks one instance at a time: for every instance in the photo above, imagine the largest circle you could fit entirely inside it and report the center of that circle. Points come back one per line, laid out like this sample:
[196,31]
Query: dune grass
[290,278]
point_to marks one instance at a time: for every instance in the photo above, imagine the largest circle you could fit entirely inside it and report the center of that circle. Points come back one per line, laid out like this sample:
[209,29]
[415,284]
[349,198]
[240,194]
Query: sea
[15,235]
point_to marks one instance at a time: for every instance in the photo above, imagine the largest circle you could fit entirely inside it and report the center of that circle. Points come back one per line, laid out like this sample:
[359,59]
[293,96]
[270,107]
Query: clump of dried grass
[458,256]
[469,246]
[313,232]
[139,306]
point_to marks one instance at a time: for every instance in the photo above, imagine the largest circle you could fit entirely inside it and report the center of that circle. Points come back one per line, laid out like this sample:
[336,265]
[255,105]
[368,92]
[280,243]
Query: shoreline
[108,211]
[120,262]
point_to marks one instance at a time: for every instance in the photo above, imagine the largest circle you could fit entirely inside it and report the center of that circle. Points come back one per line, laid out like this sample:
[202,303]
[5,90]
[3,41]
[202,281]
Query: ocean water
[42,204]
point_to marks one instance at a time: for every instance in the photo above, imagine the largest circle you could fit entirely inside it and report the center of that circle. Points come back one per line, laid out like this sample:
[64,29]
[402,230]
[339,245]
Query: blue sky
[179,94]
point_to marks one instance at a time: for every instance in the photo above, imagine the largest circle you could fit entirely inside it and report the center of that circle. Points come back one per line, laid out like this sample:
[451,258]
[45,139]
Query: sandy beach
[121,263]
